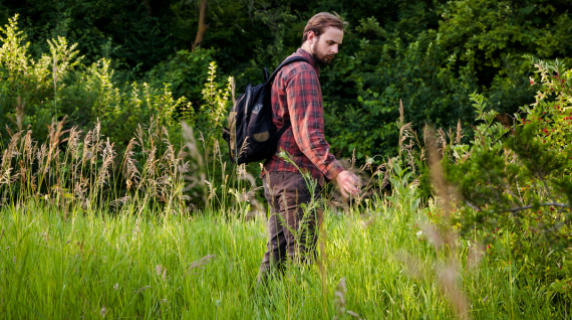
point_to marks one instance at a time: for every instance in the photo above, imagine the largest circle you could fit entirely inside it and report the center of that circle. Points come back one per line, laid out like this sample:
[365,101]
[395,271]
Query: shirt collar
[310,58]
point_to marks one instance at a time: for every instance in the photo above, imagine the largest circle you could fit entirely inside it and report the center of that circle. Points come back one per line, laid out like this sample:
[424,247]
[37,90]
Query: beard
[321,59]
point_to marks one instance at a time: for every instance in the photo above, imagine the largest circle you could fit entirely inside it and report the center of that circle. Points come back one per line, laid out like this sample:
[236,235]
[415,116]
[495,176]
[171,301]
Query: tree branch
[548,204]
[472,206]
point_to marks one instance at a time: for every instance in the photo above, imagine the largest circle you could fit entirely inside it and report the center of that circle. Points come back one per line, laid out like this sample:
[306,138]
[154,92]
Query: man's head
[323,34]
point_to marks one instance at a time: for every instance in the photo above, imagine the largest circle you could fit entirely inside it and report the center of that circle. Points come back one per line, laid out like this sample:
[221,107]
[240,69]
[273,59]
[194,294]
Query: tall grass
[140,265]
[160,229]
[88,234]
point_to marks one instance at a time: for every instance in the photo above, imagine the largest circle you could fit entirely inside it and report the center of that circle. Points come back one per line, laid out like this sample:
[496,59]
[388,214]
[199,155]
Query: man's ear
[311,37]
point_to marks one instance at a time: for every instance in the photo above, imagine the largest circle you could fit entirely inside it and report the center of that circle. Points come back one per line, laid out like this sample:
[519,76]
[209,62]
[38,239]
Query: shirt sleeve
[307,117]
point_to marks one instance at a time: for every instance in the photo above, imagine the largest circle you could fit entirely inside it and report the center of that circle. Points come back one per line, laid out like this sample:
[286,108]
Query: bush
[185,73]
[35,92]
[515,179]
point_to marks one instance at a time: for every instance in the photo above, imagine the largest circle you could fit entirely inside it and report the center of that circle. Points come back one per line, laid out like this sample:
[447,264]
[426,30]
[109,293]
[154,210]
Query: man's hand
[348,183]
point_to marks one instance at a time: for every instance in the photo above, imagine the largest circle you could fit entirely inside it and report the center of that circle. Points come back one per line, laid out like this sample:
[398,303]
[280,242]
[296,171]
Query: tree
[202,25]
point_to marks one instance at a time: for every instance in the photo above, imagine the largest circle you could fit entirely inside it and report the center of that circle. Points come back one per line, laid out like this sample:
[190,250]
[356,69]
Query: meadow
[117,201]
[152,265]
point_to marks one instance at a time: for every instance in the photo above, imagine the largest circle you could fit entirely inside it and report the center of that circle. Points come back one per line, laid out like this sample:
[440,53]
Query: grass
[156,230]
[89,265]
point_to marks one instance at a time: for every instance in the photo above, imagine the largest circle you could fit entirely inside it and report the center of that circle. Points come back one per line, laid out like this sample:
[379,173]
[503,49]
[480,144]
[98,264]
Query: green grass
[74,267]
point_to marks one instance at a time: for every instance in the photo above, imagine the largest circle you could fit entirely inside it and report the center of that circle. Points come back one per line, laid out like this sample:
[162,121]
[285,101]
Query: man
[297,97]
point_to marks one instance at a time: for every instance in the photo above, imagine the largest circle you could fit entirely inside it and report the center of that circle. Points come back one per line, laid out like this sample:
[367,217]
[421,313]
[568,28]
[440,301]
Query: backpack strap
[284,128]
[271,79]
[284,63]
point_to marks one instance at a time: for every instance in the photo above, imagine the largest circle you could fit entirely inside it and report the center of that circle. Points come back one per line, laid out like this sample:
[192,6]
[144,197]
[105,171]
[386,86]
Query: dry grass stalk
[192,144]
[85,152]
[55,134]
[73,143]
[244,175]
[245,145]
[29,147]
[441,140]
[201,262]
[96,143]
[89,168]
[196,165]
[161,271]
[20,113]
[129,167]
[107,158]
[340,301]
[119,202]
[6,165]
[445,238]
[459,134]
[10,152]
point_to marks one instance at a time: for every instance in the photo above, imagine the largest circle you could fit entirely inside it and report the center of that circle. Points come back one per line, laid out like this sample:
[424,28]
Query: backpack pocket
[260,132]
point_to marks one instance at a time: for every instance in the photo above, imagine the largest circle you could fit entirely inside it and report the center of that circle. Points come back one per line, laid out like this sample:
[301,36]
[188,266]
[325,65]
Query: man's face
[325,47]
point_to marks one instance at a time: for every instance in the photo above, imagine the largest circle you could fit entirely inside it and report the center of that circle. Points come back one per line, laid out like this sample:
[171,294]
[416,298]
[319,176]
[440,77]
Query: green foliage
[58,85]
[432,58]
[419,73]
[517,179]
[185,73]
[154,263]
[429,54]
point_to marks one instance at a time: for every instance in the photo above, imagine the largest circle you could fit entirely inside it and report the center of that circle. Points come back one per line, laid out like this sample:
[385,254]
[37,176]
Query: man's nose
[334,49]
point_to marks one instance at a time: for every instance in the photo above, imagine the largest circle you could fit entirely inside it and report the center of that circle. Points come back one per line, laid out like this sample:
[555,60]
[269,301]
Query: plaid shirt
[297,96]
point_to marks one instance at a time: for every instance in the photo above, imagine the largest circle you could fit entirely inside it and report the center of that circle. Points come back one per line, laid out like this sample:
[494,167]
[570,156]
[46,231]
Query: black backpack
[251,135]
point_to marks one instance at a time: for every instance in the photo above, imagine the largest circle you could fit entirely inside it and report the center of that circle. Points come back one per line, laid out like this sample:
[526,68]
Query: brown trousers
[291,228]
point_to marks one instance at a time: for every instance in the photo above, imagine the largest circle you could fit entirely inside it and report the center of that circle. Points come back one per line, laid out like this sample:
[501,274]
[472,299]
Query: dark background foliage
[430,54]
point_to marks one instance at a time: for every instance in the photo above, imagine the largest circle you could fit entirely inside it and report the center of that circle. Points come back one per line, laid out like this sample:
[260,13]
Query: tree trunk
[202,25]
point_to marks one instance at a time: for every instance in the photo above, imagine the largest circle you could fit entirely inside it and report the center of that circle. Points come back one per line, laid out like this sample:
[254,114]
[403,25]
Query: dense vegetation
[430,54]
[117,199]
[169,267]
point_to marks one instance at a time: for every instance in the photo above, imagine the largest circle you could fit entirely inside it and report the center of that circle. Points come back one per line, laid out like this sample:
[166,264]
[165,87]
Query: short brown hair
[321,21]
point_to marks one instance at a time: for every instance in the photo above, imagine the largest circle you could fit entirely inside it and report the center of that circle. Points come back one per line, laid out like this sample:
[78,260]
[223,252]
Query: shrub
[185,73]
[35,92]
[514,179]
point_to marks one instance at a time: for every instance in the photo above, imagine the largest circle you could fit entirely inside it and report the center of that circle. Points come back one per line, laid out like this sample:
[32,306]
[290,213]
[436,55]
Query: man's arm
[307,118]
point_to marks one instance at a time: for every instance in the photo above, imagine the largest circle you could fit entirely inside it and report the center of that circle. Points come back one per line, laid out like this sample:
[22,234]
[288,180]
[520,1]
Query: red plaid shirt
[297,96]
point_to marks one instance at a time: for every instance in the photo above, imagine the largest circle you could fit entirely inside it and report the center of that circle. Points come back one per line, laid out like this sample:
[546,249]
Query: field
[118,201]
[91,265]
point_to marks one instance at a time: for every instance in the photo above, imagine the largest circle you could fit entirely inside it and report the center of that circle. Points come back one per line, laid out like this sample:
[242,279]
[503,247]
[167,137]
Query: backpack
[251,134]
